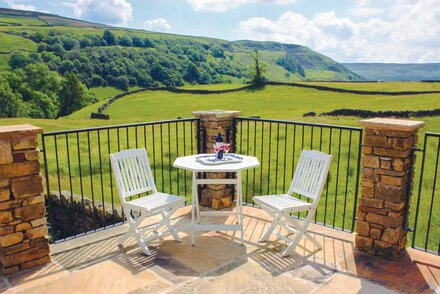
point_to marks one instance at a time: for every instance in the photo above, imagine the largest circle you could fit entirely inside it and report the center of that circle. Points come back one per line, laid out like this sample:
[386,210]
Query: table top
[190,163]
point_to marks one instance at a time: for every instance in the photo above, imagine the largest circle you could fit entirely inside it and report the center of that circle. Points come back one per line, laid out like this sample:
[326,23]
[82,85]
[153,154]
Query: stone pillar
[23,229]
[386,170]
[216,196]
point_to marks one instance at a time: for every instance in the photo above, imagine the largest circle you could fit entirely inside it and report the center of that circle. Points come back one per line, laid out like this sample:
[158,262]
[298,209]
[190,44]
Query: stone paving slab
[218,263]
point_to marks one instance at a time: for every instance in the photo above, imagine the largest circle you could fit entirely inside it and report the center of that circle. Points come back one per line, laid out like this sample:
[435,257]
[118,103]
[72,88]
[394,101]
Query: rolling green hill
[396,71]
[217,61]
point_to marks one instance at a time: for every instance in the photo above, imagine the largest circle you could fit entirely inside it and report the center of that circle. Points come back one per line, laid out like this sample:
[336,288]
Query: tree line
[37,92]
[124,61]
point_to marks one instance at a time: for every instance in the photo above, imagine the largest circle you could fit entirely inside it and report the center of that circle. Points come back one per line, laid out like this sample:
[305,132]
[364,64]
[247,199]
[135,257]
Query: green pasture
[277,155]
[11,42]
[21,20]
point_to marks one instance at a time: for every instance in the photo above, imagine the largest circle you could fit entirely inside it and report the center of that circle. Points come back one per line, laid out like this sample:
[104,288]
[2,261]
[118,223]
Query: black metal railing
[425,218]
[278,144]
[82,195]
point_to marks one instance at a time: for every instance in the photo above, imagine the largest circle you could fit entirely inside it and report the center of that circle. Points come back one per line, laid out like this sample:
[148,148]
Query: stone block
[214,194]
[221,203]
[385,163]
[16,248]
[361,215]
[385,250]
[395,206]
[4,183]
[380,211]
[392,236]
[400,164]
[27,186]
[13,170]
[377,203]
[216,175]
[32,154]
[367,192]
[402,143]
[363,228]
[10,270]
[35,262]
[24,256]
[24,142]
[380,151]
[366,150]
[37,232]
[388,222]
[216,187]
[38,222]
[390,193]
[370,175]
[10,204]
[11,239]
[30,212]
[22,227]
[5,152]
[363,242]
[376,226]
[394,181]
[19,157]
[34,200]
[375,233]
[5,195]
[5,217]
[5,230]
[368,184]
[395,213]
[371,161]
[375,141]
[39,241]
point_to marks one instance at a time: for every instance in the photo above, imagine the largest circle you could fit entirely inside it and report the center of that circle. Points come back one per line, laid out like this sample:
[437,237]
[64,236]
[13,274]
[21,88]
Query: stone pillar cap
[217,113]
[24,129]
[392,124]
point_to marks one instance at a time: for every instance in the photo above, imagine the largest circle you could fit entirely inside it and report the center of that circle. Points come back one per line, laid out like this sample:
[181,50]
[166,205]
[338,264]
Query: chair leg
[134,232]
[301,231]
[170,227]
[131,223]
[271,228]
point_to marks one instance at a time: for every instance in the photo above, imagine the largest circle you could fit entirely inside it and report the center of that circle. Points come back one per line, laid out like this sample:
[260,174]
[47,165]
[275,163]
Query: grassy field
[165,142]
[11,42]
[381,86]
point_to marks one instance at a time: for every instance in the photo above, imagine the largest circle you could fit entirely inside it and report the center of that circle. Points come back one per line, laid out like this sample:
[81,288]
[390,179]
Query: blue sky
[347,31]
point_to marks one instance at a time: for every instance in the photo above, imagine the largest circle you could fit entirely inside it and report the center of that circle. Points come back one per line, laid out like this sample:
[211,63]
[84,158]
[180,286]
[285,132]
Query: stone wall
[386,172]
[216,196]
[23,229]
[73,215]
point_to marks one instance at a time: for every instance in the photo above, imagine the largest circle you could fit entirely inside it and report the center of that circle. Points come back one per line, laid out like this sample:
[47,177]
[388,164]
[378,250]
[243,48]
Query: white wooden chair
[133,176]
[309,180]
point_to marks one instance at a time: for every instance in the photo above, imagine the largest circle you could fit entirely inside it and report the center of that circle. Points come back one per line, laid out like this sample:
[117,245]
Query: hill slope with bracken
[66,44]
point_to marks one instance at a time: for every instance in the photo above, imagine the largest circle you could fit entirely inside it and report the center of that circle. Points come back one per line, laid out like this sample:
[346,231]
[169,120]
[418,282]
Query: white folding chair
[133,176]
[309,180]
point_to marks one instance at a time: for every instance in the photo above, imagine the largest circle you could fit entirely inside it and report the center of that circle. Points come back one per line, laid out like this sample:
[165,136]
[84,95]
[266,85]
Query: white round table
[190,163]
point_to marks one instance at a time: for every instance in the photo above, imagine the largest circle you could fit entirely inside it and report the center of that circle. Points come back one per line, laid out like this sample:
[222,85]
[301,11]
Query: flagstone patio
[218,263]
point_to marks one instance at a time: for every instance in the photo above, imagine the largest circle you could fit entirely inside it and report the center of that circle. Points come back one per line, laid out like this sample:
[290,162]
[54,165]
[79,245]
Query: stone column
[23,229]
[386,170]
[216,196]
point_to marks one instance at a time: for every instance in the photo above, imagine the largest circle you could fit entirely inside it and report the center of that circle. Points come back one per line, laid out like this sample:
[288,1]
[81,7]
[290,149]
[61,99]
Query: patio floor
[219,264]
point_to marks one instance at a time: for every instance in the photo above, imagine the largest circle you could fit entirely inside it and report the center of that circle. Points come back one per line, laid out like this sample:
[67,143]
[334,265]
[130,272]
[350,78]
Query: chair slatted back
[310,174]
[132,172]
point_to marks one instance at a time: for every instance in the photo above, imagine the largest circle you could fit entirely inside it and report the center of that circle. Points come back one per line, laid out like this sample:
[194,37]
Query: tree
[125,41]
[110,38]
[192,73]
[18,60]
[12,105]
[73,95]
[257,69]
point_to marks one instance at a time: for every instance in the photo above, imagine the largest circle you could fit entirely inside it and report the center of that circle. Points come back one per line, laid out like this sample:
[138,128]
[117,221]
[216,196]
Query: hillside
[210,60]
[396,71]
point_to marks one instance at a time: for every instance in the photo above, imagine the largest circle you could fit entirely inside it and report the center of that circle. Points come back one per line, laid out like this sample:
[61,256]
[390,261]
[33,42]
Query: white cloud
[113,12]
[12,4]
[362,8]
[158,25]
[409,31]
[224,5]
